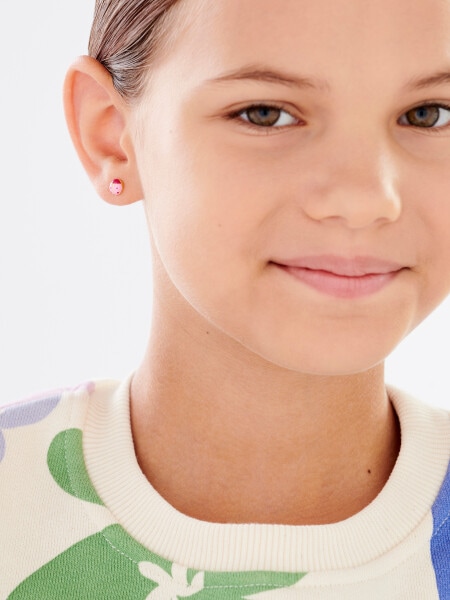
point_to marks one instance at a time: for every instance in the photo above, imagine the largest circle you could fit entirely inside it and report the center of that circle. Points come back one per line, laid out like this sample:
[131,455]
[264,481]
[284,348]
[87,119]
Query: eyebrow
[257,73]
[439,78]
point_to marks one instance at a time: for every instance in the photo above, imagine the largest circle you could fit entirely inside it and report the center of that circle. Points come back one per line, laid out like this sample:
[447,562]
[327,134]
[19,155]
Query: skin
[260,399]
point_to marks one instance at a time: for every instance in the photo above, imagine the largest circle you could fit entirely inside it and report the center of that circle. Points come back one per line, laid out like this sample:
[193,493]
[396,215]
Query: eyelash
[265,130]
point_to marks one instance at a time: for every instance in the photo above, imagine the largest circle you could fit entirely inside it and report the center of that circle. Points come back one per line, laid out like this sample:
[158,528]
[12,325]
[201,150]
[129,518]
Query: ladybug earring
[116,187]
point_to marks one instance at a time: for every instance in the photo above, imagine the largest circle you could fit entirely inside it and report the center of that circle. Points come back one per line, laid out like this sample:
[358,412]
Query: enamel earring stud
[116,187]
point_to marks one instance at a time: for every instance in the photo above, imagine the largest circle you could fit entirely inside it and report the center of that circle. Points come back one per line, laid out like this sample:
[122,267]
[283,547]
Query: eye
[427,116]
[264,116]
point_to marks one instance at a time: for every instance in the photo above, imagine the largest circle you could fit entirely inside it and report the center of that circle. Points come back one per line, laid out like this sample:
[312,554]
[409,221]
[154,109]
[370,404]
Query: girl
[293,162]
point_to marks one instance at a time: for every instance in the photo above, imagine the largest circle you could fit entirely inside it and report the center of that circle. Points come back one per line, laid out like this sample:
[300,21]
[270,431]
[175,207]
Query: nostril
[355,208]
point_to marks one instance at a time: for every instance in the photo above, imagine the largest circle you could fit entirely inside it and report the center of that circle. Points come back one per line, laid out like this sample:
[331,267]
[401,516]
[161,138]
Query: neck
[225,436]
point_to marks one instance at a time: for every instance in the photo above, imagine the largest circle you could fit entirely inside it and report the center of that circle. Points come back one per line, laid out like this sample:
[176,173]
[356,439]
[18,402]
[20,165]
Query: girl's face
[313,228]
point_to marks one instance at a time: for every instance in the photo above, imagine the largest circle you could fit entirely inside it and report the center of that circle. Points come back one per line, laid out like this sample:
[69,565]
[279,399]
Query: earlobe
[98,121]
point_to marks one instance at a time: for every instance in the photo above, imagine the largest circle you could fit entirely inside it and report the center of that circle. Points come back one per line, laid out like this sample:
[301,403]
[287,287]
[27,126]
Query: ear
[99,124]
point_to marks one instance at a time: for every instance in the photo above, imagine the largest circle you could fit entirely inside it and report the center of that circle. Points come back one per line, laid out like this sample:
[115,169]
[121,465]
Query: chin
[326,360]
[333,367]
[328,346]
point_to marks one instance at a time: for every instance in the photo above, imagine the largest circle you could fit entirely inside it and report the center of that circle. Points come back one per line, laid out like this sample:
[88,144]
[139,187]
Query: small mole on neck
[369,471]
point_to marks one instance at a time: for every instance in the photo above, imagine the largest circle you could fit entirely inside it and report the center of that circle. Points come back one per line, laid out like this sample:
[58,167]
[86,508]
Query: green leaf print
[66,463]
[174,585]
[104,566]
[240,585]
[111,565]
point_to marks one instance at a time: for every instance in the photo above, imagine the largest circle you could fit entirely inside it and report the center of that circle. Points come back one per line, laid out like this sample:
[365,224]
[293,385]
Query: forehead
[339,39]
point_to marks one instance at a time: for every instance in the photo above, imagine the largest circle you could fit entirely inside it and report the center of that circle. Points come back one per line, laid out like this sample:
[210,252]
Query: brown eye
[423,116]
[265,116]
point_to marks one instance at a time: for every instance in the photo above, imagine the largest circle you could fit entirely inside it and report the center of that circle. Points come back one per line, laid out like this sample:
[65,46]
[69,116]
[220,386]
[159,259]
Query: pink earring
[116,187]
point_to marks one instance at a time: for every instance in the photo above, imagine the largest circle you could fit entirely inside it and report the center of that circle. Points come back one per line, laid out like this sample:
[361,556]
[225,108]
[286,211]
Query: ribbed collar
[400,507]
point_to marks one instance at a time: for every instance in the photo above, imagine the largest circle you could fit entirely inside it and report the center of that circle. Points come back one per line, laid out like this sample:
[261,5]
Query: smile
[340,277]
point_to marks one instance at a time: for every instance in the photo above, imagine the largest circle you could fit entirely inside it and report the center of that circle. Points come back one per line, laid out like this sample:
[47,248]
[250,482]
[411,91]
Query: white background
[75,279]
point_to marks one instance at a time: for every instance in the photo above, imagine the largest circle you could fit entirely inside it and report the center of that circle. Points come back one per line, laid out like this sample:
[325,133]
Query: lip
[342,277]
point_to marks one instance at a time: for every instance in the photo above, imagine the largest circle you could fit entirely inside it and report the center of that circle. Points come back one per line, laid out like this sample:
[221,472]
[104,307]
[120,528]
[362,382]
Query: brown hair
[127,36]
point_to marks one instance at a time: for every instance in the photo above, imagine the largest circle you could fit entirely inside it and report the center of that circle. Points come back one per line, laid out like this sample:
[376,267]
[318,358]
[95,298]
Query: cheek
[205,229]
[429,233]
[208,210]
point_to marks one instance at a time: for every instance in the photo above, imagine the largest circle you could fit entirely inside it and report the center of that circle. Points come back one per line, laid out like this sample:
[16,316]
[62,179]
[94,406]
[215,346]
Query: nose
[356,183]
